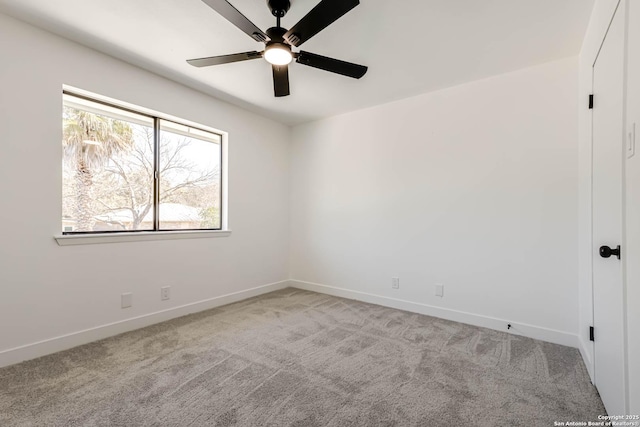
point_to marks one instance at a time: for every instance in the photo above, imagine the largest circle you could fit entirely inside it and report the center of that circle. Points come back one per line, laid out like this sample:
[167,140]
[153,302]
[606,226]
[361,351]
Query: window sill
[142,236]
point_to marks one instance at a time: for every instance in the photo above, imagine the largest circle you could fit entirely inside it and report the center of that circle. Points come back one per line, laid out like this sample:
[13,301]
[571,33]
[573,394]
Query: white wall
[49,291]
[474,187]
[633,210]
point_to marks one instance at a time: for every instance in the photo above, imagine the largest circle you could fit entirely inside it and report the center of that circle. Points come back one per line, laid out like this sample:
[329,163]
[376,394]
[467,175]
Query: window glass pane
[189,178]
[107,168]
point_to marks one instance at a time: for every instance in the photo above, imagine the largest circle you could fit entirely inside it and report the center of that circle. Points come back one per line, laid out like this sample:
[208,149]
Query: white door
[608,89]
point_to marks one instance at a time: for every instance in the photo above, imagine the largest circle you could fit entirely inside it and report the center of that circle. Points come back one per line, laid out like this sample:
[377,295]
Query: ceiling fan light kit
[279,41]
[277,51]
[278,55]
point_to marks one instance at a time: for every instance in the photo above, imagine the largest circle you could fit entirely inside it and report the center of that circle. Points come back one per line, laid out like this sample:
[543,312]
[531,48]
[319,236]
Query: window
[126,171]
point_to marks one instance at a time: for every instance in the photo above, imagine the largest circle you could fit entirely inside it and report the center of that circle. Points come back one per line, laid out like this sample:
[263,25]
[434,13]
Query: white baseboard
[586,356]
[531,331]
[64,342]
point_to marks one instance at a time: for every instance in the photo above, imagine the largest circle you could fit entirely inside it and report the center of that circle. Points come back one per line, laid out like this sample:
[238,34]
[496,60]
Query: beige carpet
[298,358]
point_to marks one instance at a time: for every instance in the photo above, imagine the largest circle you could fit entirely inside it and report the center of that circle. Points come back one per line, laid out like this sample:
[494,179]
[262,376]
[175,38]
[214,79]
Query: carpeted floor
[298,358]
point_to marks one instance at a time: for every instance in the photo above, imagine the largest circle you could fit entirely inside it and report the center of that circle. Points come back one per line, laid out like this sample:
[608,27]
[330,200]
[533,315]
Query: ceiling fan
[279,41]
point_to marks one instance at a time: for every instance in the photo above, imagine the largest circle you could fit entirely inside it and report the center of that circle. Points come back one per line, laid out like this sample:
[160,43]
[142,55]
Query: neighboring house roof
[169,212]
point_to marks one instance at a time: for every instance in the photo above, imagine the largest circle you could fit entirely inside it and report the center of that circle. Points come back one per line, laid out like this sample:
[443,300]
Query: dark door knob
[606,251]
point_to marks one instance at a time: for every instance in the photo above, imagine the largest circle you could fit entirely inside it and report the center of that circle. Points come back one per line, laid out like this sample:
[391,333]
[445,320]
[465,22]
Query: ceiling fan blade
[330,64]
[280,80]
[231,14]
[224,59]
[319,18]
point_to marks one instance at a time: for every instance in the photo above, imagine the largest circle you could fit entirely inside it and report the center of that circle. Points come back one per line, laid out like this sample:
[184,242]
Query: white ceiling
[410,46]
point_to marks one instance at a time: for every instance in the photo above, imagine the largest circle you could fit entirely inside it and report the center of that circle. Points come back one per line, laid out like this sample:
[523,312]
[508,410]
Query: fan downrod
[279,8]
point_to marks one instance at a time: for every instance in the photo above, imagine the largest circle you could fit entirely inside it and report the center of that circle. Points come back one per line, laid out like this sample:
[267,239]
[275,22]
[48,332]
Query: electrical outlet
[126,300]
[165,293]
[395,282]
[631,142]
[439,290]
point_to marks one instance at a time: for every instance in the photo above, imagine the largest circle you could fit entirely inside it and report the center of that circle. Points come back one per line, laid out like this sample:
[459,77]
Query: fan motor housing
[276,34]
[279,8]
